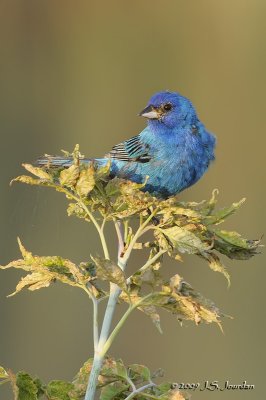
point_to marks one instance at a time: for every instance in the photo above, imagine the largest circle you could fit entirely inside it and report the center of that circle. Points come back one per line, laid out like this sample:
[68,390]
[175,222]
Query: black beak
[150,112]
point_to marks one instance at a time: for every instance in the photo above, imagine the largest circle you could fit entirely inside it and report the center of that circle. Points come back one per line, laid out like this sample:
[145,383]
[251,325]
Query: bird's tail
[58,162]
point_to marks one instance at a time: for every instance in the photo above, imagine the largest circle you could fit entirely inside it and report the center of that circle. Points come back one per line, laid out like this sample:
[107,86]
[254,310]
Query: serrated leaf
[220,215]
[233,245]
[216,265]
[184,240]
[140,370]
[109,271]
[26,179]
[41,173]
[34,281]
[76,155]
[27,255]
[233,238]
[59,390]
[86,181]
[113,390]
[114,368]
[68,176]
[27,388]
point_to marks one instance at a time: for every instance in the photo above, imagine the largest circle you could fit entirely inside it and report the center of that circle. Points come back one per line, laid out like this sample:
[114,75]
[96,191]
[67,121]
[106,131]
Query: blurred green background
[79,72]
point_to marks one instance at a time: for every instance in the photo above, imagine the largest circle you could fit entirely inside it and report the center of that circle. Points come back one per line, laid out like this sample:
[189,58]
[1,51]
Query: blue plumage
[174,150]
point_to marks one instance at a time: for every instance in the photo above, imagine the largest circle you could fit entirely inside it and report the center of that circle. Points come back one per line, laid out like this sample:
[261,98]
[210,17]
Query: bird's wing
[133,149]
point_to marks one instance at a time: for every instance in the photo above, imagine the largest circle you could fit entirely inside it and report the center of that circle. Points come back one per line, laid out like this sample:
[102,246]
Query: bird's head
[168,108]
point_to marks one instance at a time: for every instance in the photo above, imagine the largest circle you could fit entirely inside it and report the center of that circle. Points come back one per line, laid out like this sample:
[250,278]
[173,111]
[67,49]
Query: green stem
[138,234]
[106,326]
[95,316]
[148,263]
[119,325]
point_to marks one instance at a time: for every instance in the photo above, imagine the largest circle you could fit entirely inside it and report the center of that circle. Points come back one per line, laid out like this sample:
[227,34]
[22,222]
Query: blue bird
[174,150]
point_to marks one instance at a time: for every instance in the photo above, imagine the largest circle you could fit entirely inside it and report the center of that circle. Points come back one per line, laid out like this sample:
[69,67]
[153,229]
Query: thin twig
[121,322]
[138,234]
[119,233]
[140,390]
[148,263]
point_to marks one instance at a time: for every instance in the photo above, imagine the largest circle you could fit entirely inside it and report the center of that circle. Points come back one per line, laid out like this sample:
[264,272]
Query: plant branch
[148,263]
[139,232]
[140,390]
[95,323]
[107,321]
[119,233]
[119,325]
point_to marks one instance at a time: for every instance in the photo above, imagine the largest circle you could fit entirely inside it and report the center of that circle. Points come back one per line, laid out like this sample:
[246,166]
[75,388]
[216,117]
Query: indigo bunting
[174,150]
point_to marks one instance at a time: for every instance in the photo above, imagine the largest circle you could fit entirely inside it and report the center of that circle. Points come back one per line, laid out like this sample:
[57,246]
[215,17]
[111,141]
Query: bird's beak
[150,112]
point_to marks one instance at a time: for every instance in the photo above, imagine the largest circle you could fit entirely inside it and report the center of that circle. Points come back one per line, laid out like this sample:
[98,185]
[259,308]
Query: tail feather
[58,162]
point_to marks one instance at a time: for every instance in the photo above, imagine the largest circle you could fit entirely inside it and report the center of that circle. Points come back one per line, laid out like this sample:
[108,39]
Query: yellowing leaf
[216,265]
[34,281]
[86,181]
[184,240]
[110,271]
[41,173]
[27,255]
[69,176]
[26,179]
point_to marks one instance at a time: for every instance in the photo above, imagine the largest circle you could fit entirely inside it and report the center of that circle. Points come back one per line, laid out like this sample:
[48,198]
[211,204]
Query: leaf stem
[148,263]
[118,229]
[119,325]
[139,233]
[140,390]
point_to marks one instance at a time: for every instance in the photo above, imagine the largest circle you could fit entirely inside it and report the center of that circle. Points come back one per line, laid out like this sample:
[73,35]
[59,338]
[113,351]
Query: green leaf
[107,270]
[233,245]
[86,181]
[141,370]
[220,215]
[184,240]
[68,176]
[114,368]
[27,388]
[59,390]
[113,390]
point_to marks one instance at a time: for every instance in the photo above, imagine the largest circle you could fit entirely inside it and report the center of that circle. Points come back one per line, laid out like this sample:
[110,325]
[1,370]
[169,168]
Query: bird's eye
[167,107]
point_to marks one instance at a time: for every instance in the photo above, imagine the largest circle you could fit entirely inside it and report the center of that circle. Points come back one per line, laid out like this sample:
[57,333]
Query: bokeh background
[79,72]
